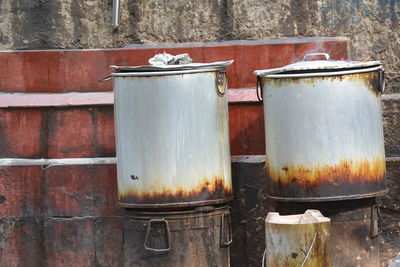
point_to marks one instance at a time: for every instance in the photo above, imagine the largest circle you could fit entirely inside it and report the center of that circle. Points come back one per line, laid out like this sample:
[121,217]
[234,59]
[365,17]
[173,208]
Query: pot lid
[318,66]
[162,68]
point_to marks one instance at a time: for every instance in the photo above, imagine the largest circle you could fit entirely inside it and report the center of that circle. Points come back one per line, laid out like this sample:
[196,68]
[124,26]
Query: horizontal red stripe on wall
[72,115]
[88,131]
[57,71]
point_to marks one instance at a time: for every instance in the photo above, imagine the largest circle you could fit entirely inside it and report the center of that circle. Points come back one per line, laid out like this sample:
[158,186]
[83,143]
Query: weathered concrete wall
[372,26]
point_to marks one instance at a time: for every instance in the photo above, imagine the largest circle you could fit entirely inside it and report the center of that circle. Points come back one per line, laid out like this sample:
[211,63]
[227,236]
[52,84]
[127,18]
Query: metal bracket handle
[223,242]
[326,55]
[382,82]
[376,222]
[264,257]
[168,235]
[221,82]
[305,258]
[259,90]
[309,250]
[105,79]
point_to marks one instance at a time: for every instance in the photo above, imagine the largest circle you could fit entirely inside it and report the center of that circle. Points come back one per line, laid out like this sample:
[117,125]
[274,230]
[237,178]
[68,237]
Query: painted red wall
[63,215]
[88,131]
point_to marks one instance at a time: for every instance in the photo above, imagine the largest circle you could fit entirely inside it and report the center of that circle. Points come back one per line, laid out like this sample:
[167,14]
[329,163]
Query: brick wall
[64,212]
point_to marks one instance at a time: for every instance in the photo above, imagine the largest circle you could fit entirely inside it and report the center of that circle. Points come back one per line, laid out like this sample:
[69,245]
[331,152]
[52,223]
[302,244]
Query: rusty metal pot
[324,130]
[195,238]
[355,228]
[172,135]
[297,240]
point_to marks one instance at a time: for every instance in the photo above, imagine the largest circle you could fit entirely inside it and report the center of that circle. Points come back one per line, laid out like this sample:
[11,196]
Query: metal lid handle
[326,55]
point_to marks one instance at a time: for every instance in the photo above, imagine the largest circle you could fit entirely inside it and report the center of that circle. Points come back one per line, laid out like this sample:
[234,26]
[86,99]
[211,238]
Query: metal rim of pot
[179,204]
[163,73]
[221,81]
[322,74]
[331,199]
[314,68]
[319,68]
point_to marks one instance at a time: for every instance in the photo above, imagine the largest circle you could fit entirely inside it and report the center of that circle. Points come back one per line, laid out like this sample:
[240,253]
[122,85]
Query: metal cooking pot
[172,135]
[324,130]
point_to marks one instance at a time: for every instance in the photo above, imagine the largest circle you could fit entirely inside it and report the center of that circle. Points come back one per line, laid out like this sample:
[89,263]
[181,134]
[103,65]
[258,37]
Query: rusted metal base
[354,229]
[190,238]
[167,206]
[301,240]
[333,198]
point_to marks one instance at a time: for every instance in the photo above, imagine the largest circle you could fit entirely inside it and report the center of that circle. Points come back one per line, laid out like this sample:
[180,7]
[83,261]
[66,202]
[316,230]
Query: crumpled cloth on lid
[168,59]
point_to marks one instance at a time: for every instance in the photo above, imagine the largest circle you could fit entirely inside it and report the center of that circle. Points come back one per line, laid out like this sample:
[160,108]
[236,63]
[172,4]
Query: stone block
[104,131]
[251,58]
[108,240]
[21,242]
[391,124]
[70,242]
[33,71]
[20,191]
[71,133]
[105,197]
[81,190]
[389,241]
[69,190]
[250,207]
[22,133]
[246,129]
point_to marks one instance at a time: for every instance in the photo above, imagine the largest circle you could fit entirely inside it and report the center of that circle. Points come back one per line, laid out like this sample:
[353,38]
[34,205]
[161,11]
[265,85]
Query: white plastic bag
[168,59]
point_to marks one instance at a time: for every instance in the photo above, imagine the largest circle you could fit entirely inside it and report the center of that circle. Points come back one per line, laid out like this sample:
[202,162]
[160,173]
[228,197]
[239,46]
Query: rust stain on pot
[370,79]
[346,171]
[209,190]
[299,180]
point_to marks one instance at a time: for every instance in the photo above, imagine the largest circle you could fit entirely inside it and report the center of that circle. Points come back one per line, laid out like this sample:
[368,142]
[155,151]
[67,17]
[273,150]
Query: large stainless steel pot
[172,135]
[324,130]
